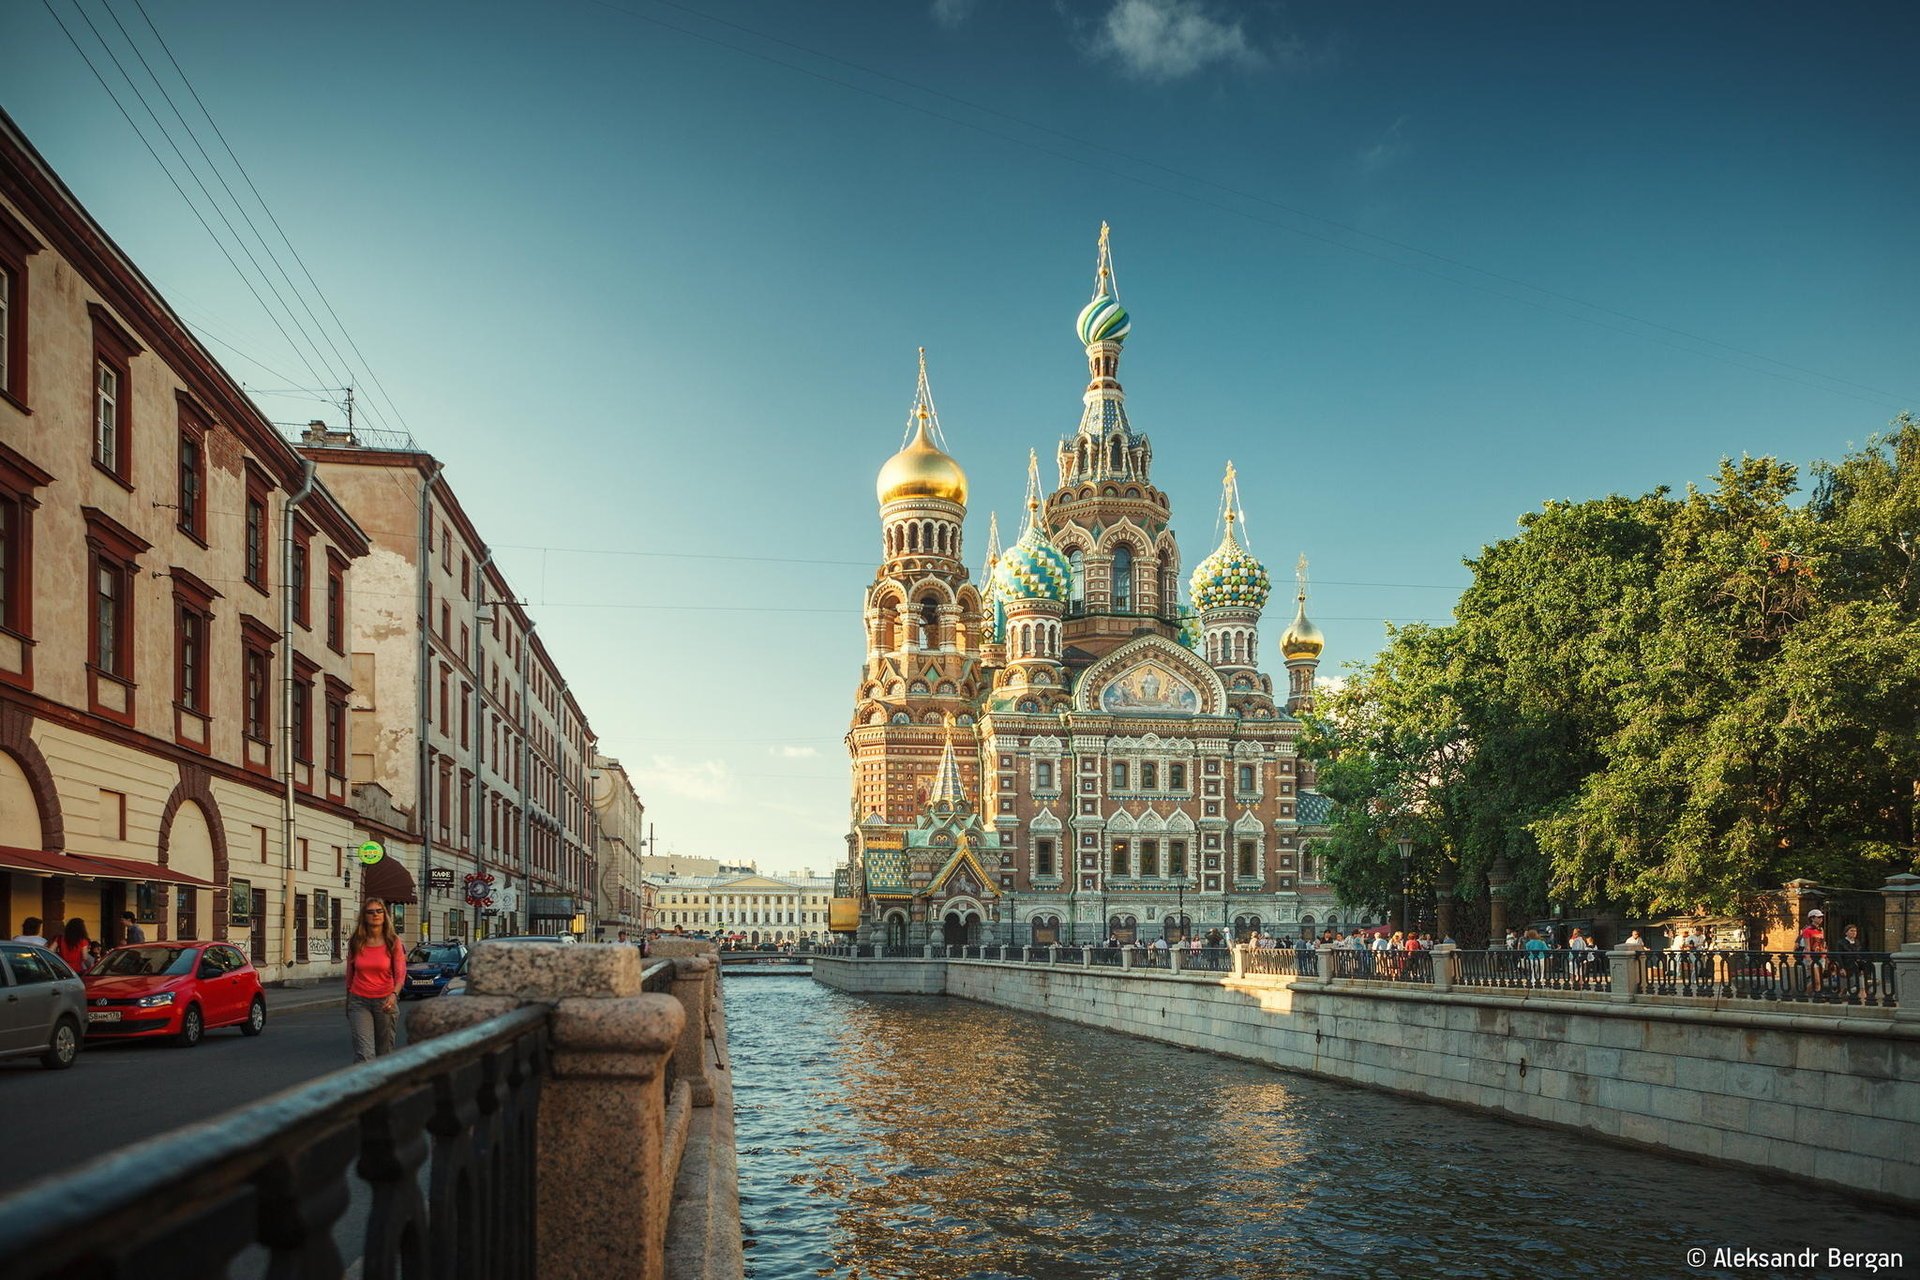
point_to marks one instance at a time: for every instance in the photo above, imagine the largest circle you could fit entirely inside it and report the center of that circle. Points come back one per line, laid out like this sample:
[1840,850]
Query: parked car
[178,990]
[430,966]
[41,1009]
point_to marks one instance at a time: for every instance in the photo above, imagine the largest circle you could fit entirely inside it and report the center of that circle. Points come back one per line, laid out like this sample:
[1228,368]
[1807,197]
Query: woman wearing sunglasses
[376,970]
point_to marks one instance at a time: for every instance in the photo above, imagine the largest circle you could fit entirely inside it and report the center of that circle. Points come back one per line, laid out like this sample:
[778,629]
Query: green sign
[371,852]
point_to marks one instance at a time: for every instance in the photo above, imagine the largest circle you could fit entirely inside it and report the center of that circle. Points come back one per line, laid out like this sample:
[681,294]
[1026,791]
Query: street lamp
[1406,865]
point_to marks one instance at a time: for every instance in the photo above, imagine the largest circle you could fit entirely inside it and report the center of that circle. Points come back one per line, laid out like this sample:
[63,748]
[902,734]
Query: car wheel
[64,1048]
[256,1017]
[192,1027]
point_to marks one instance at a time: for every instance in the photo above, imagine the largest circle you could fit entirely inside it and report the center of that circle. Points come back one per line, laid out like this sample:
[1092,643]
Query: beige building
[469,755]
[760,908]
[174,593]
[622,826]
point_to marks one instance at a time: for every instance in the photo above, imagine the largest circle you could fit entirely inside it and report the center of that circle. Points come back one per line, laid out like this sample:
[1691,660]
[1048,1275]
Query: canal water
[935,1139]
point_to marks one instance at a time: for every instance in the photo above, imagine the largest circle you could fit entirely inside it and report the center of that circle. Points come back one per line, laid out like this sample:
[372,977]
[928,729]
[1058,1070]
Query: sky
[649,278]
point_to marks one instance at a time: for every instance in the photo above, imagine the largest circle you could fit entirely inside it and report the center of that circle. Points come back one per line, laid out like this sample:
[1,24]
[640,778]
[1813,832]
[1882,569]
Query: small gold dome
[1302,638]
[921,471]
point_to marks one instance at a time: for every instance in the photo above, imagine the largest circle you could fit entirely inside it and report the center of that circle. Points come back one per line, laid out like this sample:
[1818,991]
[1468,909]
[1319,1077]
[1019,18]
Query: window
[1246,777]
[1123,579]
[113,353]
[1247,867]
[1177,859]
[302,597]
[1043,858]
[18,481]
[1176,777]
[113,568]
[1043,776]
[466,570]
[190,498]
[336,729]
[1149,776]
[192,627]
[1119,775]
[1076,582]
[256,545]
[256,694]
[446,550]
[304,670]
[336,602]
[16,246]
[1149,857]
[1122,859]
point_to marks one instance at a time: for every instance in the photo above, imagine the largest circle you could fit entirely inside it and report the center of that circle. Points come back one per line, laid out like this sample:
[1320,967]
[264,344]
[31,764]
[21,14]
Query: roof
[1313,809]
[886,871]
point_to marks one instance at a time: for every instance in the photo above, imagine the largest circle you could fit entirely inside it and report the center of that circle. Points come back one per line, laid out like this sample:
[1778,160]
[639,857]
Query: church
[1068,749]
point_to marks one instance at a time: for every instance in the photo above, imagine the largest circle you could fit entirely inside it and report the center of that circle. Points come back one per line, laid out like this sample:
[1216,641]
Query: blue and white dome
[1103,320]
[1230,578]
[1031,569]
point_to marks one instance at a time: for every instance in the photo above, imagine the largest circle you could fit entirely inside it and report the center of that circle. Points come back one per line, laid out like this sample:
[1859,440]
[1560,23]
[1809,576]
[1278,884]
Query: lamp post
[1406,902]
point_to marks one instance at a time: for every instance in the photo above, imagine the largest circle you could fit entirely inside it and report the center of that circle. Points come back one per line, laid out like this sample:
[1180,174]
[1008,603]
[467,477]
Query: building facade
[621,821]
[759,909]
[1069,750]
[469,754]
[175,673]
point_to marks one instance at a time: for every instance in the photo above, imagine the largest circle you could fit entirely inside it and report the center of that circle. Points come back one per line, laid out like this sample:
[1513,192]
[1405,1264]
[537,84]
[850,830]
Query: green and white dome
[1190,630]
[1032,569]
[1230,578]
[1103,320]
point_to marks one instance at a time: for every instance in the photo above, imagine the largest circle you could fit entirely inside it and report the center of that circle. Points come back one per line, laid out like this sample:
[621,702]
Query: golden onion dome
[921,470]
[1302,638]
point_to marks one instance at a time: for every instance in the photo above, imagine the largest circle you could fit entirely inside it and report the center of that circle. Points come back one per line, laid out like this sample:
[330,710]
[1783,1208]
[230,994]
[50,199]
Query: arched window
[1150,857]
[1122,859]
[930,622]
[1123,579]
[1076,581]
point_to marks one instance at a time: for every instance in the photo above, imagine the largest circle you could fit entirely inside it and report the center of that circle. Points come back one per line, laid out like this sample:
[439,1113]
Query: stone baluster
[601,1132]
[1126,956]
[1906,982]
[1443,966]
[693,981]
[1623,971]
[1239,960]
[1176,957]
[1053,953]
[926,952]
[1323,963]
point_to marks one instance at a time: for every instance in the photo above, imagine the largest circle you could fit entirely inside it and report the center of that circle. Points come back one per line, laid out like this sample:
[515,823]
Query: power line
[1081,160]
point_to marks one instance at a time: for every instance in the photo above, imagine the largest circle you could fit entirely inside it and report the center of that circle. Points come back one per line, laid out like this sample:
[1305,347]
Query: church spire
[1105,444]
[949,795]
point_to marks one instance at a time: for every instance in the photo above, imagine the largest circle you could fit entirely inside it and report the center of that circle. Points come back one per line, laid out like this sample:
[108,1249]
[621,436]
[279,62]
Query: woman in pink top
[376,970]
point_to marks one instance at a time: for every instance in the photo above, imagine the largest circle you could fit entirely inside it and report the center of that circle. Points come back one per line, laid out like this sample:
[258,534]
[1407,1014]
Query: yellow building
[760,908]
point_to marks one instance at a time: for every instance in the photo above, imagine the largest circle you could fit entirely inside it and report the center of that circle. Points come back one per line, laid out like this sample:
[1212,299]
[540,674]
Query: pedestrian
[30,932]
[376,970]
[1634,942]
[1847,948]
[131,934]
[73,945]
[1536,954]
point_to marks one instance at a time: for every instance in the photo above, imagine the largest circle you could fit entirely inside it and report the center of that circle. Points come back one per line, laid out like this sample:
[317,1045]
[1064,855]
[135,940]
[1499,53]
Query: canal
[935,1139]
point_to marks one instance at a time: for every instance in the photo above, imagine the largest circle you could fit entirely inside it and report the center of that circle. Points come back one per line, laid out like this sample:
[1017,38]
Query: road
[120,1093]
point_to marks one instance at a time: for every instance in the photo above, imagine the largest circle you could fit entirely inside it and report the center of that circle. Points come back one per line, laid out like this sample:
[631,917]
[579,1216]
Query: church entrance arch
[960,928]
[1177,926]
[897,929]
[1046,931]
[1123,929]
[1245,927]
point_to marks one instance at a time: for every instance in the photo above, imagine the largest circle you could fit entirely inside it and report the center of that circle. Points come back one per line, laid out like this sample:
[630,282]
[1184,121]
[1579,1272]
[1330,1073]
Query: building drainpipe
[423,799]
[288,813]
[476,816]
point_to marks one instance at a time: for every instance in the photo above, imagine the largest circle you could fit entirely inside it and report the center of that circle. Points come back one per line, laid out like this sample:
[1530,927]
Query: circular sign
[371,852]
[479,889]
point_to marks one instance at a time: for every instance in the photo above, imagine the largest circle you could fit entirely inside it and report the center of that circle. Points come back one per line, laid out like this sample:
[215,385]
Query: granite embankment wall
[1832,1098]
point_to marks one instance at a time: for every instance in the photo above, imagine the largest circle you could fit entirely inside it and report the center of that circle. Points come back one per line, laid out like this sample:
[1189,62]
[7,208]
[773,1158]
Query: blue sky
[649,278]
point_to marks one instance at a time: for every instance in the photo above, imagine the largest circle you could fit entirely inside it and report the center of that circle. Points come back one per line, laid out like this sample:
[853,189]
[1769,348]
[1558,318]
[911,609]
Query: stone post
[693,979]
[1443,966]
[1026,954]
[926,952]
[601,1134]
[1239,959]
[1499,876]
[1623,967]
[1901,897]
[1086,957]
[1323,963]
[1126,956]
[1053,953]
[1906,981]
[1176,962]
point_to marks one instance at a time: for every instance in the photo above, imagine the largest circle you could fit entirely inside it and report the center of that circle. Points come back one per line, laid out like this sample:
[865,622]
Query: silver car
[42,1005]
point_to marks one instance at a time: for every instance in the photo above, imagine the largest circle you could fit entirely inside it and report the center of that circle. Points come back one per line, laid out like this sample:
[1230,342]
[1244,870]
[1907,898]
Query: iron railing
[901,951]
[1553,970]
[1834,977]
[1283,962]
[440,1137]
[1104,955]
[1073,955]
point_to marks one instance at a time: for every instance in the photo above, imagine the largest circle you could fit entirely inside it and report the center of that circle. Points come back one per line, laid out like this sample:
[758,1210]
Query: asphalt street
[121,1093]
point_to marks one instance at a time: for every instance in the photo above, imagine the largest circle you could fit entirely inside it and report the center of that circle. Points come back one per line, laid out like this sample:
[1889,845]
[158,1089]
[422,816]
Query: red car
[178,990]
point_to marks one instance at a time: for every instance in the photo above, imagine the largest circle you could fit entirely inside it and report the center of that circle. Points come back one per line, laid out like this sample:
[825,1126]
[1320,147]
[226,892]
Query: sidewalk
[320,995]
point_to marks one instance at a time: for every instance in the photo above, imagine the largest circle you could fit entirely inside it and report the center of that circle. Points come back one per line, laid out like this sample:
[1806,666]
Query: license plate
[103,1015]
[421,982]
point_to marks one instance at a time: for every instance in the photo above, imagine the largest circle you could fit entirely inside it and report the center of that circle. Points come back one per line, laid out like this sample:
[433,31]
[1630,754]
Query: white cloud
[794,753]
[953,13]
[1390,147]
[708,780]
[1168,39]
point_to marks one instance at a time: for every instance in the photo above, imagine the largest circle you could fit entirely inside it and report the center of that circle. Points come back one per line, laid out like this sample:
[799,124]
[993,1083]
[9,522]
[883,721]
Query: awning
[387,879]
[47,862]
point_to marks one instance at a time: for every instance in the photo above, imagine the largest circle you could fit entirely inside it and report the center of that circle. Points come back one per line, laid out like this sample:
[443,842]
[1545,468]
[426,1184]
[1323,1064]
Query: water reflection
[936,1139]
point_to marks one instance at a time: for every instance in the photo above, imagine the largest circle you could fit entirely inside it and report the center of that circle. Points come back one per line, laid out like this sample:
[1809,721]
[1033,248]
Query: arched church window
[930,622]
[1123,579]
[1076,581]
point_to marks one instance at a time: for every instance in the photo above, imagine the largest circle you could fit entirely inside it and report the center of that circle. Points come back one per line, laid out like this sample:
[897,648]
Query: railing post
[601,1133]
[1053,953]
[1623,972]
[926,952]
[1323,962]
[1126,956]
[1904,966]
[1443,966]
[693,979]
[1086,957]
[1239,960]
[1176,960]
[1026,954]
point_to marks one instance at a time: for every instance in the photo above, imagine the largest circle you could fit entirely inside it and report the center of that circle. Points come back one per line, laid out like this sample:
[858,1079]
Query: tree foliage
[1658,703]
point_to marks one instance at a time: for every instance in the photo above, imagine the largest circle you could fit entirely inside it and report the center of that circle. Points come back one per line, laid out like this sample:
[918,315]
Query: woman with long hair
[72,945]
[376,970]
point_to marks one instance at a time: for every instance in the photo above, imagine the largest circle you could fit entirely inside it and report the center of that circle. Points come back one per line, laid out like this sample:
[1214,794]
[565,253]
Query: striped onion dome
[1032,569]
[1103,320]
[1190,631]
[1230,578]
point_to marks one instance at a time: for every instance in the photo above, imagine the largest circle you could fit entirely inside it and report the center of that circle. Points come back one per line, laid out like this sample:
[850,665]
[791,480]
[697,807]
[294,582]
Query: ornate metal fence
[1834,977]
[1283,962]
[441,1134]
[1533,970]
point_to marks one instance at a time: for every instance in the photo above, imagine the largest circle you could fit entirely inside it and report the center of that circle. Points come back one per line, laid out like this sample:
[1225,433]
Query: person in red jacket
[376,970]
[74,946]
